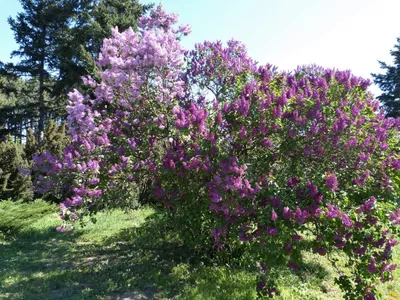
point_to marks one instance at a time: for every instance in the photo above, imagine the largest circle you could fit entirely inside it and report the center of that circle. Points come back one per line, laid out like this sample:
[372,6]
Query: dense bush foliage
[13,184]
[243,156]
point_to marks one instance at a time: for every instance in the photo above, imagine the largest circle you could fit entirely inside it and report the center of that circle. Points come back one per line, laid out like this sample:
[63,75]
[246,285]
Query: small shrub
[14,184]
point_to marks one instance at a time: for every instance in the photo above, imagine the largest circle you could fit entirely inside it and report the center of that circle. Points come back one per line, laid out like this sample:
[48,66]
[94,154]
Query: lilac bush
[241,155]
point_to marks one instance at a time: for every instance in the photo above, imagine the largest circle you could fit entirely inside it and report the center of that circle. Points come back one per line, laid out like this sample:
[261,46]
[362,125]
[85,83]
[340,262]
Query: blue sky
[346,34]
[8,8]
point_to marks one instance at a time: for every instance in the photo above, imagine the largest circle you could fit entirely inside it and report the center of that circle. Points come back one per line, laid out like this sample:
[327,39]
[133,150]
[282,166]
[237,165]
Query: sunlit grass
[133,256]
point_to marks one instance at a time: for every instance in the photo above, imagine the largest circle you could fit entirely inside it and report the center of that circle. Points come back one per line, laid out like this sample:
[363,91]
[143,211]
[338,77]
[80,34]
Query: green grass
[131,256]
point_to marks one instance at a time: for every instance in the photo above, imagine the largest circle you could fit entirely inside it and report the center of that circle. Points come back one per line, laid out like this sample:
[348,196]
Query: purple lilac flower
[395,217]
[301,216]
[372,266]
[272,231]
[217,232]
[340,244]
[331,182]
[333,212]
[296,237]
[267,143]
[368,206]
[244,237]
[295,267]
[293,181]
[275,201]
[274,216]
[320,251]
[261,285]
[288,247]
[287,213]
[359,250]
[346,220]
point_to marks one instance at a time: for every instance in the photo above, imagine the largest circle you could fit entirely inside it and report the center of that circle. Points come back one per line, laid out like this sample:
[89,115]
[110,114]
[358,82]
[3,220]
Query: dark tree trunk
[41,86]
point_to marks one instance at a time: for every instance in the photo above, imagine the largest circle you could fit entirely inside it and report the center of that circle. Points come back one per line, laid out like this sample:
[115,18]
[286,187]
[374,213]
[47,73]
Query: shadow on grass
[146,262]
[45,264]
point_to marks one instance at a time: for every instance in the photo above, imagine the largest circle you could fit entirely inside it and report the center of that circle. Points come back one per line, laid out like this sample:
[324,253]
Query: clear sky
[346,34]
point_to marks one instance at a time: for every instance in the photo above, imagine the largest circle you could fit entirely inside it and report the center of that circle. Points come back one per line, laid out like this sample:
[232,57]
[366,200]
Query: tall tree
[389,83]
[38,30]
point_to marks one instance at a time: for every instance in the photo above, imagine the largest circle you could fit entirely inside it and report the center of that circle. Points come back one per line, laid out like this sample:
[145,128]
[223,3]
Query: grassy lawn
[131,256]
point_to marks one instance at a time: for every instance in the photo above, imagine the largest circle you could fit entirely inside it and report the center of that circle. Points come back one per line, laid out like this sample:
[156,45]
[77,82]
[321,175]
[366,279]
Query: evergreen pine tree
[38,30]
[55,139]
[13,183]
[389,83]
